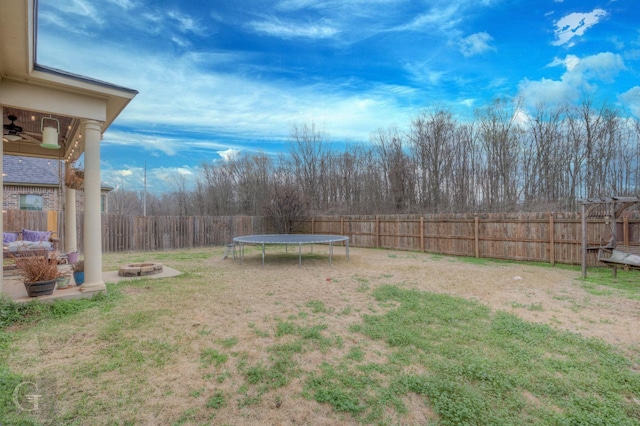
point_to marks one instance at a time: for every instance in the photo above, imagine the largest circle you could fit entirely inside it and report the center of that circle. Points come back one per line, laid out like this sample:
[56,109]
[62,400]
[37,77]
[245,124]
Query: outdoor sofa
[16,242]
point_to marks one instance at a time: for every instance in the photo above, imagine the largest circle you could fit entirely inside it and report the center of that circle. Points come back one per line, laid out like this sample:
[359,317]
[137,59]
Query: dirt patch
[541,294]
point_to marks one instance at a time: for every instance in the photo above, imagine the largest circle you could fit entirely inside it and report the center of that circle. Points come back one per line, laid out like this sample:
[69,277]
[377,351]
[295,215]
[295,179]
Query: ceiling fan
[12,130]
[13,133]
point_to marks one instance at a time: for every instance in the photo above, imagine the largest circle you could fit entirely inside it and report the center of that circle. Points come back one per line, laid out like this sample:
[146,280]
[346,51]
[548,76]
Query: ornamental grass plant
[35,266]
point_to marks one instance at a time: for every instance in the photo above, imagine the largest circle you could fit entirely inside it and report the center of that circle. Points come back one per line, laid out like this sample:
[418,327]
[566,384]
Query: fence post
[377,232]
[422,233]
[341,225]
[477,237]
[552,240]
[313,222]
[584,240]
[625,230]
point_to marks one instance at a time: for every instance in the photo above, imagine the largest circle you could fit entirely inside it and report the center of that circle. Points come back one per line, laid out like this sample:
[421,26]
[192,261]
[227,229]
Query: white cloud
[631,100]
[576,24]
[476,44]
[580,77]
[276,28]
[439,19]
[229,154]
[174,178]
[520,117]
[570,62]
[158,179]
[422,73]
[469,102]
[181,42]
[186,24]
[124,4]
[603,66]
[168,146]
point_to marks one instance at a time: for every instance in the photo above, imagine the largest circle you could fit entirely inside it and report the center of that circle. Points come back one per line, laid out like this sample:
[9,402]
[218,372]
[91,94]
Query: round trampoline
[287,240]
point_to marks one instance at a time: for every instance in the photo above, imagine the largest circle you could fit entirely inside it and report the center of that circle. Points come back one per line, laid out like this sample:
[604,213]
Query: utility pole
[144,193]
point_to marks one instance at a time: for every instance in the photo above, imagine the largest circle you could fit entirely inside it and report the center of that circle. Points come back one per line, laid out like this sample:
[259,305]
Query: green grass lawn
[466,364]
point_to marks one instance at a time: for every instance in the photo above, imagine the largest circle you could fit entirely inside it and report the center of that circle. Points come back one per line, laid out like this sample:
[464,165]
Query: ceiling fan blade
[29,138]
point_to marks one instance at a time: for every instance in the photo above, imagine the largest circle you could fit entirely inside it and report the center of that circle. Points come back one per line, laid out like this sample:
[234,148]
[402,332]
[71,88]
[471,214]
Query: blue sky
[231,76]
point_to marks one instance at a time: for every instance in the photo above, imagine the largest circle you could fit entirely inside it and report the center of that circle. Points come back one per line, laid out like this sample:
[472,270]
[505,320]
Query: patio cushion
[16,246]
[28,235]
[40,245]
[9,237]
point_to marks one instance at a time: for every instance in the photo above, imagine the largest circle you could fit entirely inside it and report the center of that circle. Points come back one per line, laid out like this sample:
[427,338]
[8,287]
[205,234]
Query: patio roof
[31,91]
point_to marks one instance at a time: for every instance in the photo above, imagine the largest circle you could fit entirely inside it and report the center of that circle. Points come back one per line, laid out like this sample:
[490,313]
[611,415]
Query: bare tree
[544,179]
[124,202]
[252,175]
[499,134]
[431,138]
[505,160]
[217,189]
[286,209]
[464,171]
[307,162]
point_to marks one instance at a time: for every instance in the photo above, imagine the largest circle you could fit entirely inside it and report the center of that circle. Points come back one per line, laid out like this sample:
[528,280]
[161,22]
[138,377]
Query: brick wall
[50,198]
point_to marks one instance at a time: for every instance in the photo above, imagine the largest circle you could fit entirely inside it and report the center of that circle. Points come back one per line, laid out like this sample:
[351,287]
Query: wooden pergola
[610,209]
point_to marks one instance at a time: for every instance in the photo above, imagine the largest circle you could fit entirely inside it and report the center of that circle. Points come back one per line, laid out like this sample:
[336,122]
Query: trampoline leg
[347,245]
[330,253]
[299,255]
[263,255]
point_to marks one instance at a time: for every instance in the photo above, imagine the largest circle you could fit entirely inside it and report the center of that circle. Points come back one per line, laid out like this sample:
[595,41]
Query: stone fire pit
[140,269]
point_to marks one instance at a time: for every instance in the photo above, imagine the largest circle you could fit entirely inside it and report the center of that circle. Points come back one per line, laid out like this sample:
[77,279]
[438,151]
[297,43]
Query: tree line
[501,161]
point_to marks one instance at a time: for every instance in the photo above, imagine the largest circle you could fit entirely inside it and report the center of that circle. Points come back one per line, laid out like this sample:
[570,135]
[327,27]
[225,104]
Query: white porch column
[92,218]
[70,224]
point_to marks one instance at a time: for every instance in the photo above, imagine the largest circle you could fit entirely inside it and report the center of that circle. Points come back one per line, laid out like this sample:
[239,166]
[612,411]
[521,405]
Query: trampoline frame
[287,240]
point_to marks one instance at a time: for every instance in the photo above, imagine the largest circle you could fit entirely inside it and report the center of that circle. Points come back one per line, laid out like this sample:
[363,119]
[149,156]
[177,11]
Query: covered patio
[59,116]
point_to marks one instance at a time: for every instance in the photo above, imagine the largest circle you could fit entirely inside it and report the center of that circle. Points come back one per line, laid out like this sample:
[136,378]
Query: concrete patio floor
[14,287]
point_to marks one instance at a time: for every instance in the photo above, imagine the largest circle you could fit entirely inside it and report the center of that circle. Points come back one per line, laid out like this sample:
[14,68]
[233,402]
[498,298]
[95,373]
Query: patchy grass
[601,282]
[367,347]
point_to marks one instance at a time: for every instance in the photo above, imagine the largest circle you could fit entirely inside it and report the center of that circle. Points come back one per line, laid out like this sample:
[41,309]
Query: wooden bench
[622,256]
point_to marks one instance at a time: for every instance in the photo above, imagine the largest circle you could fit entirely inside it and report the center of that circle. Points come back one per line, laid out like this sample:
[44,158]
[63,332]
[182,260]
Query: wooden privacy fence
[139,233]
[17,220]
[539,237]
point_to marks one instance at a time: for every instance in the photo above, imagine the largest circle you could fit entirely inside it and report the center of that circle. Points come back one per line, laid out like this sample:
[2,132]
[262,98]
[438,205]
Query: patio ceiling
[31,122]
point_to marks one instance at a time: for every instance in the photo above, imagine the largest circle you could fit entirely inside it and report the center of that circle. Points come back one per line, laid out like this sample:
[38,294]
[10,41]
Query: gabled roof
[32,171]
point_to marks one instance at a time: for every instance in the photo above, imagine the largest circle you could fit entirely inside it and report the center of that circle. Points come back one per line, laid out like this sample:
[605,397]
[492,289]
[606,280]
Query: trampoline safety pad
[287,240]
